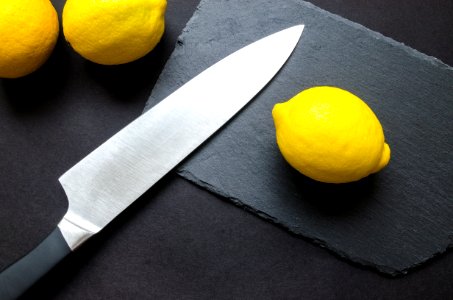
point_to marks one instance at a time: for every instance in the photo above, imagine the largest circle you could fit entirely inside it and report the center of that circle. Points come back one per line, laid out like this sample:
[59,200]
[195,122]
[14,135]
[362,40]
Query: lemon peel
[112,32]
[29,31]
[330,135]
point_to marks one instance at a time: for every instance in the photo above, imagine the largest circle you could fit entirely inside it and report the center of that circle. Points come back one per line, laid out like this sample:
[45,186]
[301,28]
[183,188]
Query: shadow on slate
[392,221]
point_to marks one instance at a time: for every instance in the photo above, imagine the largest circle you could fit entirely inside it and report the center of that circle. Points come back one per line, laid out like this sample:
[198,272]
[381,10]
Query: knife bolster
[76,230]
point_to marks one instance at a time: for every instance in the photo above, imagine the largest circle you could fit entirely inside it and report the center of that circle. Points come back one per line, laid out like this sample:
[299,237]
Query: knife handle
[21,275]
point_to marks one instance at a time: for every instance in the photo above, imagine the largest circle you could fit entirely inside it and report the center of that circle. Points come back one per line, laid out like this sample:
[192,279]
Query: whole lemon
[112,32]
[28,34]
[330,135]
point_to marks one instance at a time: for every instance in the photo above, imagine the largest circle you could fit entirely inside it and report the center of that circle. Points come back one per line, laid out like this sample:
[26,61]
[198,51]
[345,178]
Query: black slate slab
[392,221]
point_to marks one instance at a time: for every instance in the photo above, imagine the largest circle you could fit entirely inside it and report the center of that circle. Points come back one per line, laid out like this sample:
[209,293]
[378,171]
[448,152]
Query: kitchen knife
[114,175]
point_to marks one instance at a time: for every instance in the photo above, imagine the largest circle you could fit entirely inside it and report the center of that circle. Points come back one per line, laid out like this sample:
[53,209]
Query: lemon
[330,135]
[112,32]
[28,34]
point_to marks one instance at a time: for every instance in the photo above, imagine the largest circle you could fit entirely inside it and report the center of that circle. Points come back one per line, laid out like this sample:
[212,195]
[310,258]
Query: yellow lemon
[112,32]
[28,34]
[330,135]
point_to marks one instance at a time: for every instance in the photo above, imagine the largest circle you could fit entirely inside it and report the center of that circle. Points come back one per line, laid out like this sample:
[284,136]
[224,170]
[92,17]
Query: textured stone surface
[392,221]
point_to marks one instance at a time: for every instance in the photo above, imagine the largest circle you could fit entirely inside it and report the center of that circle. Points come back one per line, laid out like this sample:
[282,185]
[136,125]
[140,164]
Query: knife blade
[119,171]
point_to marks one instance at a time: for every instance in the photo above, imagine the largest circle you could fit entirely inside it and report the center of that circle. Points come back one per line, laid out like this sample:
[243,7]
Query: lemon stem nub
[385,158]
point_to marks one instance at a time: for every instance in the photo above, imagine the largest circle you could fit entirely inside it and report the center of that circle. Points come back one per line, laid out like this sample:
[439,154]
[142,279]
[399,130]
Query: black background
[177,241]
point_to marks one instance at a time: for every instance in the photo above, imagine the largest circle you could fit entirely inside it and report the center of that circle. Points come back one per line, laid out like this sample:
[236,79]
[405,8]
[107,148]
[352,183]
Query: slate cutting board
[392,221]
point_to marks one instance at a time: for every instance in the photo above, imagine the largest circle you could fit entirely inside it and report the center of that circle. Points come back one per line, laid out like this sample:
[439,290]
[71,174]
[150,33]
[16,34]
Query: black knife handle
[21,275]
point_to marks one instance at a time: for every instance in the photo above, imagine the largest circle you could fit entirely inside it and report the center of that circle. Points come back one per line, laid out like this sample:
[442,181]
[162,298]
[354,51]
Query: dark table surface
[177,241]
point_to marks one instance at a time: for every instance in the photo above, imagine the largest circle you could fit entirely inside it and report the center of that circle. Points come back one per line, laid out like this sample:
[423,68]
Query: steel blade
[119,171]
